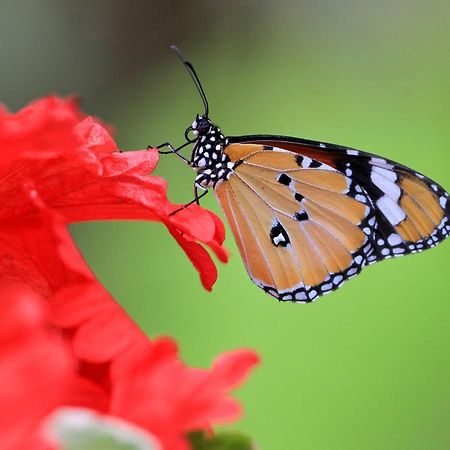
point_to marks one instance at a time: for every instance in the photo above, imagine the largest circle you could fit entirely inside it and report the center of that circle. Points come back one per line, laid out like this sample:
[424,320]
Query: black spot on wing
[284,179]
[299,160]
[300,216]
[267,147]
[279,236]
[298,197]
[314,164]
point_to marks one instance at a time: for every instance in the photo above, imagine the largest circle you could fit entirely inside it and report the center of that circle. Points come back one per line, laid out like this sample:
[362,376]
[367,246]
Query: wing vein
[254,234]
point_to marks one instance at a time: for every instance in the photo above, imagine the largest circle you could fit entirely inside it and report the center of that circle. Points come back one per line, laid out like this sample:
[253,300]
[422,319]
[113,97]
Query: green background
[366,367]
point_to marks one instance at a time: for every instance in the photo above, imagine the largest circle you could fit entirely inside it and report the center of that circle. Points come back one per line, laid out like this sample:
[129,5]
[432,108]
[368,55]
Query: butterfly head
[208,157]
[201,126]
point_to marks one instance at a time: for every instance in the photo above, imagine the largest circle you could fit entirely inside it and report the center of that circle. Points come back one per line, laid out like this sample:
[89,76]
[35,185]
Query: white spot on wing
[380,162]
[387,185]
[394,239]
[306,162]
[358,259]
[278,239]
[394,214]
[389,174]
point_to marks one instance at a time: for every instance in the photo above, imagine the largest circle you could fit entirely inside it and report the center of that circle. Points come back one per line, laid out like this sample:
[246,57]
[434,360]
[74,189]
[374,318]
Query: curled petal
[95,136]
[194,221]
[199,257]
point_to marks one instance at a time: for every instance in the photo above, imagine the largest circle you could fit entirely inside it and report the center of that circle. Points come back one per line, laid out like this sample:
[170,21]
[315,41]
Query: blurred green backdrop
[364,368]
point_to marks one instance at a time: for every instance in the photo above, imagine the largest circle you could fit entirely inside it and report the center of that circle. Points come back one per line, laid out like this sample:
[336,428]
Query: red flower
[178,398]
[77,344]
[29,389]
[86,178]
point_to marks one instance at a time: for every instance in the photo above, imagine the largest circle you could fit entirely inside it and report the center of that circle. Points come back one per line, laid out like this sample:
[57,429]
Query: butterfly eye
[203,125]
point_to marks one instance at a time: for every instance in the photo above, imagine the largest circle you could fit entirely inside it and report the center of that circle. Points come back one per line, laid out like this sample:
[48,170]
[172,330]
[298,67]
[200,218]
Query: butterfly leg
[172,150]
[195,200]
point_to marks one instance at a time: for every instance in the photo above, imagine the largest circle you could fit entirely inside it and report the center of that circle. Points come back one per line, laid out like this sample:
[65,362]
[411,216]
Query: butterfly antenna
[193,75]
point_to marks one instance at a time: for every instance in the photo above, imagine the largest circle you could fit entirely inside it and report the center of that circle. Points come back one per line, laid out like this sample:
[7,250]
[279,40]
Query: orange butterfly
[308,215]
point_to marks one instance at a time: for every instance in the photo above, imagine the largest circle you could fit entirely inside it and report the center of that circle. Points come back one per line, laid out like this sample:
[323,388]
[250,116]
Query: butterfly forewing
[308,217]
[412,211]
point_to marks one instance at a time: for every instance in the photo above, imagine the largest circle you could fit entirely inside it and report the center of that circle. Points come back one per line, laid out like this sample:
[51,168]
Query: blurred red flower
[34,369]
[60,328]
[181,398]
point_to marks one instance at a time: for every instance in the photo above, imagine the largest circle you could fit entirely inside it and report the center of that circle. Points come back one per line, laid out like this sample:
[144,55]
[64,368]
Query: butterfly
[309,215]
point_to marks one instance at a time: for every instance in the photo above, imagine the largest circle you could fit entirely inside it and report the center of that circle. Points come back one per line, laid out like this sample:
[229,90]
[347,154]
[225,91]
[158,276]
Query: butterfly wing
[411,209]
[304,223]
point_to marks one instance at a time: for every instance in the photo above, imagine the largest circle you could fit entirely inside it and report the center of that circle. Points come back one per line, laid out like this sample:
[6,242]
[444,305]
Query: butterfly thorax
[208,157]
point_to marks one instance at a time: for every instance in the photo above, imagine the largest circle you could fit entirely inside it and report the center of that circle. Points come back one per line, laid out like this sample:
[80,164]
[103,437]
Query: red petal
[107,336]
[219,235]
[141,162]
[42,130]
[199,257]
[95,136]
[231,368]
[194,221]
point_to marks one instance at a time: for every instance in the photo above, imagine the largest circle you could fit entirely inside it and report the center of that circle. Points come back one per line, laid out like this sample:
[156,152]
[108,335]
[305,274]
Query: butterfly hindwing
[298,232]
[306,218]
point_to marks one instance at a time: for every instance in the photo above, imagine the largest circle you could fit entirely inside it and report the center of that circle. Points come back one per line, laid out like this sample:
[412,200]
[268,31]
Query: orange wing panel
[343,230]
[333,253]
[296,148]
[249,248]
[281,261]
[331,181]
[236,152]
[274,193]
[425,198]
[270,159]
[344,206]
[312,267]
[416,218]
